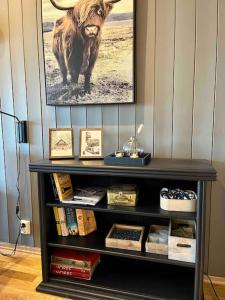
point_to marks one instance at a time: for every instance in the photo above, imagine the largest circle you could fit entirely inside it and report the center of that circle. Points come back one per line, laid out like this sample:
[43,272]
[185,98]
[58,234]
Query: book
[54,189]
[64,186]
[71,271]
[86,221]
[88,195]
[73,258]
[71,221]
[57,221]
[62,220]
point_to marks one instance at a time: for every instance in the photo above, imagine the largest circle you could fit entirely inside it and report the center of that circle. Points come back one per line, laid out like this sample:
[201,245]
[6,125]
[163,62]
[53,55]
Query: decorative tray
[143,160]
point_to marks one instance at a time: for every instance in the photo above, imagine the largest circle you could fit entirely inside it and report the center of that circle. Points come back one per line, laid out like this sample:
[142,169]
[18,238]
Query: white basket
[178,205]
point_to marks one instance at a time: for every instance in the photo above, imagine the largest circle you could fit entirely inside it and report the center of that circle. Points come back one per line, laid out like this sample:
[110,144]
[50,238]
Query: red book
[70,274]
[75,258]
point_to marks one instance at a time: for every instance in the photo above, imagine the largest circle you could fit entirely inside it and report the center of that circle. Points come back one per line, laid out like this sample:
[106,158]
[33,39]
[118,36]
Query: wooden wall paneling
[63,117]
[217,238]
[145,57]
[48,112]
[31,48]
[184,78]
[127,123]
[20,104]
[78,119]
[94,116]
[4,228]
[8,124]
[204,79]
[164,77]
[110,128]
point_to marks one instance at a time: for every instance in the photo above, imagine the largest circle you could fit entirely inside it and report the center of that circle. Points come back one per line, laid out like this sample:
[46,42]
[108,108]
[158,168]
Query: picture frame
[61,143]
[91,143]
[110,78]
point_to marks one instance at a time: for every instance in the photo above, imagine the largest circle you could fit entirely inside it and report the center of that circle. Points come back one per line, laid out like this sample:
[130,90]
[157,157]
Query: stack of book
[75,264]
[71,221]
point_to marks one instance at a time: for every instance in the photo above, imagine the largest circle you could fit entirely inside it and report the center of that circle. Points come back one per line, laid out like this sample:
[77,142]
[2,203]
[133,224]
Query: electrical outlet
[25,226]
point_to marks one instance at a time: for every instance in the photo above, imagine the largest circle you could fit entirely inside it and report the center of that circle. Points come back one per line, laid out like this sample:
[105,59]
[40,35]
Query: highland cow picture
[89,51]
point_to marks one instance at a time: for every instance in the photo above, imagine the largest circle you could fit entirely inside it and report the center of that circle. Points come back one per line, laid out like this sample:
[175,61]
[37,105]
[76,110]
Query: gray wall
[181,76]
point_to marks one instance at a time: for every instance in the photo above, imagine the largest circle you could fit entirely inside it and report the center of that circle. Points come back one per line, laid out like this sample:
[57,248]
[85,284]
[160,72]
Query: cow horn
[59,7]
[111,1]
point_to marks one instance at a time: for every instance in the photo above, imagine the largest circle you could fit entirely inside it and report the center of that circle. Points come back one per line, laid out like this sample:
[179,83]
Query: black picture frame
[80,99]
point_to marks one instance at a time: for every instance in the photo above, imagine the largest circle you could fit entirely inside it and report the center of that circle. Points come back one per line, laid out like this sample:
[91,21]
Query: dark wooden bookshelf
[123,274]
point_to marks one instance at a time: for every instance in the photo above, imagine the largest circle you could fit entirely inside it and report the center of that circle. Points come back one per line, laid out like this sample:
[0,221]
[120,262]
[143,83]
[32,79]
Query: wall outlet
[25,226]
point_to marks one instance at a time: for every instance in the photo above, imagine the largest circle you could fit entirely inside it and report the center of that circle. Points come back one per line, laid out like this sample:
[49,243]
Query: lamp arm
[4,113]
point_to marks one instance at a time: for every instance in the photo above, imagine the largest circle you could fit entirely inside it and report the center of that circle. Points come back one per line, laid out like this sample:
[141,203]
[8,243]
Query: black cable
[215,293]
[15,246]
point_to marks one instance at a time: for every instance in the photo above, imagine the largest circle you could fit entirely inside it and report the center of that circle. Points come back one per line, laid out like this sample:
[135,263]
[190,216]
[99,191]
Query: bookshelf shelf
[122,274]
[144,210]
[95,242]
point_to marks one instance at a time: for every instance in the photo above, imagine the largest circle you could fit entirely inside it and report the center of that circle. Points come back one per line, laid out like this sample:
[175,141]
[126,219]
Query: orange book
[86,221]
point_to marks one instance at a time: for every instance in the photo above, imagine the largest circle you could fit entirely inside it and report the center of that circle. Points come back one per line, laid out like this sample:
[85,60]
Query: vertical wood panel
[94,116]
[63,117]
[110,128]
[33,100]
[4,229]
[78,119]
[48,112]
[183,78]
[145,72]
[164,67]
[8,124]
[126,123]
[20,104]
[217,240]
[204,78]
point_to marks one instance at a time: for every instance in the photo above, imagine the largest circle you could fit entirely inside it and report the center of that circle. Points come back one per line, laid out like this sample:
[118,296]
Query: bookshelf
[124,274]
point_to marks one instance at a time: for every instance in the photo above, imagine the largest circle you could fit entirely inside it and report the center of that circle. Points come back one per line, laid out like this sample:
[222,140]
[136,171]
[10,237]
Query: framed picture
[94,64]
[61,143]
[91,143]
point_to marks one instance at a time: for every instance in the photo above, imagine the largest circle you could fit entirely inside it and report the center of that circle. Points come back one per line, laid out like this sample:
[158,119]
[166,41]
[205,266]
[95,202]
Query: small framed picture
[61,143]
[91,143]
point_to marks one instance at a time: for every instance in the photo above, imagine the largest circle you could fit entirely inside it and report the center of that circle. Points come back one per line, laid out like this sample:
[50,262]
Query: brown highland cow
[77,36]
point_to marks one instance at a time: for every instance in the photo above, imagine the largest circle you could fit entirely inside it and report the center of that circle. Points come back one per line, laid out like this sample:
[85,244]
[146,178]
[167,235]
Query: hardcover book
[57,221]
[71,221]
[62,220]
[64,186]
[86,221]
[73,258]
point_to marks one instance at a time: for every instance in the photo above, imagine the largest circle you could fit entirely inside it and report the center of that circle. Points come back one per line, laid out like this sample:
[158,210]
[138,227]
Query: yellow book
[86,221]
[62,220]
[64,186]
[58,226]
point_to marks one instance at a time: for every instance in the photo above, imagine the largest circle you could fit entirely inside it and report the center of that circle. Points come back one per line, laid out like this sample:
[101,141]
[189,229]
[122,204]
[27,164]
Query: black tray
[141,161]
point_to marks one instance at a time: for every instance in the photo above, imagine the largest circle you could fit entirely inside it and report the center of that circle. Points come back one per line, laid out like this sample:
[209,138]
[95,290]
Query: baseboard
[20,248]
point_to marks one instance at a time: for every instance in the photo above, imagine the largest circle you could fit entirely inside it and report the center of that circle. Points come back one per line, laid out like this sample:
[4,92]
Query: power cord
[17,205]
[215,293]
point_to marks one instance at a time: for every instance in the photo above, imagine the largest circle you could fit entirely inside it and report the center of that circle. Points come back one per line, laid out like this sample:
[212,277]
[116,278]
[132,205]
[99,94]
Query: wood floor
[19,275]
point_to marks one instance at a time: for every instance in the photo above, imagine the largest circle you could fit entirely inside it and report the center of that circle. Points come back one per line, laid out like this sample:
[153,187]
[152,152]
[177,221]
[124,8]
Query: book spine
[71,268]
[70,262]
[80,221]
[57,221]
[70,274]
[55,176]
[71,221]
[55,192]
[62,219]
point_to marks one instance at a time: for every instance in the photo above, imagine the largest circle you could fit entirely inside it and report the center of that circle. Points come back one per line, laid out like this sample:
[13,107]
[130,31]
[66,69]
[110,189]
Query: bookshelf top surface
[180,169]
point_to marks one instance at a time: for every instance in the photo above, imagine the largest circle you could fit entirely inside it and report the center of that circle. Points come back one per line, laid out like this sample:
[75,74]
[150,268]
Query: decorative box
[182,248]
[143,160]
[178,205]
[125,237]
[125,195]
[156,247]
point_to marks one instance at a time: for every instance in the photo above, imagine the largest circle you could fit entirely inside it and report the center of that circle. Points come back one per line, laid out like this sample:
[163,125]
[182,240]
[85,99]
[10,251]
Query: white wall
[180,82]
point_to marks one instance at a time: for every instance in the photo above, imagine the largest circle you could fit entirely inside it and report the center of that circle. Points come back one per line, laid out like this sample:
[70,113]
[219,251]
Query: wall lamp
[21,128]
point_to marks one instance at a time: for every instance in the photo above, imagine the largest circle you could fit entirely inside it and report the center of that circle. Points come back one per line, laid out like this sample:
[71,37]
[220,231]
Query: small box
[156,248]
[126,243]
[178,205]
[181,248]
[124,195]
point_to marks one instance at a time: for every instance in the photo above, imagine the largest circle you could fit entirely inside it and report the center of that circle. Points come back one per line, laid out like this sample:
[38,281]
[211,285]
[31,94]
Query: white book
[62,220]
